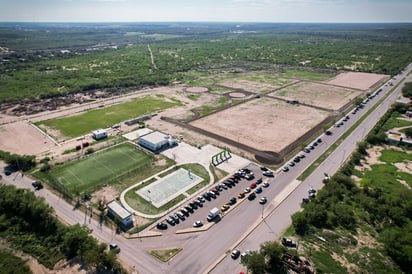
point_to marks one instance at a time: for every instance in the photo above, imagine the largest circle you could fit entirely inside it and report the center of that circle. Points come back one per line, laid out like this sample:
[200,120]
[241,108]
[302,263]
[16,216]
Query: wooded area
[29,225]
[63,64]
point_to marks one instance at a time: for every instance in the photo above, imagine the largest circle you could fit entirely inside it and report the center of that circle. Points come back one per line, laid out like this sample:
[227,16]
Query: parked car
[235,254]
[170,221]
[268,173]
[328,132]
[319,140]
[224,207]
[288,242]
[37,185]
[259,190]
[311,190]
[188,208]
[247,190]
[206,196]
[241,195]
[263,200]
[252,185]
[266,184]
[247,252]
[197,224]
[249,176]
[305,200]
[258,181]
[251,196]
[285,168]
[161,226]
[291,164]
[113,246]
[232,201]
[184,211]
[201,199]
[263,168]
[180,215]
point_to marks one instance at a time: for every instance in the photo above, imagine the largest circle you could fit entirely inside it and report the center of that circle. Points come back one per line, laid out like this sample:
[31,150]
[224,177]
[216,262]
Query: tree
[255,262]
[300,224]
[408,132]
[273,252]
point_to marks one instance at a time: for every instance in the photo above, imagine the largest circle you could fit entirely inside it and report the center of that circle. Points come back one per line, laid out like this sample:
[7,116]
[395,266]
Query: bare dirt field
[357,80]
[264,124]
[197,89]
[252,86]
[326,96]
[22,138]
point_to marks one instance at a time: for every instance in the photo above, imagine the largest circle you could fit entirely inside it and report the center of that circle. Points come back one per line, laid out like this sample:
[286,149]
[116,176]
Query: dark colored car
[235,254]
[251,196]
[161,226]
[232,201]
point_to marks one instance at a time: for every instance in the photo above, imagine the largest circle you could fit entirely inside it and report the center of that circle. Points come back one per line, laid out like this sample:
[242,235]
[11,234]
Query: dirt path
[152,57]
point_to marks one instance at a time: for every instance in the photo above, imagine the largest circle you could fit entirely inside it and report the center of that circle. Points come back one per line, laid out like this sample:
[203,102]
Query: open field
[102,118]
[264,124]
[106,167]
[316,94]
[358,80]
[22,138]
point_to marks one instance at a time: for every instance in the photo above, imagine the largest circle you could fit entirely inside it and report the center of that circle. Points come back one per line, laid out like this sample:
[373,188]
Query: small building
[116,211]
[156,141]
[99,134]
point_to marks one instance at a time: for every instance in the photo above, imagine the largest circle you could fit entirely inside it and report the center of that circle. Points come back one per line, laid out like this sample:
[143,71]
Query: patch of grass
[394,156]
[13,264]
[325,263]
[194,97]
[382,176]
[165,254]
[105,117]
[207,109]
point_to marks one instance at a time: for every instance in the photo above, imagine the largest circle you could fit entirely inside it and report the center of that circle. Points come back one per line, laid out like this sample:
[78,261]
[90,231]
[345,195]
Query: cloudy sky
[206,10]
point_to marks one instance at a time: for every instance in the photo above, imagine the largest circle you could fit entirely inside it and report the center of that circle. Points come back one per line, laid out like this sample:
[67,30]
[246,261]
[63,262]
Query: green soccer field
[106,167]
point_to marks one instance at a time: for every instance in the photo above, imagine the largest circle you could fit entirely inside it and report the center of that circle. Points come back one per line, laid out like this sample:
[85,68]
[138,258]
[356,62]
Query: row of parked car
[182,214]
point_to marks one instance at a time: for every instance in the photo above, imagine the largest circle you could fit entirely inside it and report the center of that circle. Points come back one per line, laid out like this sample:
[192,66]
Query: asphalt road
[243,227]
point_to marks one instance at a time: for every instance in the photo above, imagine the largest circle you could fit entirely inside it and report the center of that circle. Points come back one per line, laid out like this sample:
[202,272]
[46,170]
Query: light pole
[263,206]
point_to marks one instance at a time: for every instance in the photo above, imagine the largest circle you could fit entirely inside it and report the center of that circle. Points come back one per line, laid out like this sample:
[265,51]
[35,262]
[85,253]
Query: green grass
[325,263]
[74,126]
[207,109]
[394,156]
[395,122]
[106,167]
[12,264]
[194,97]
[165,254]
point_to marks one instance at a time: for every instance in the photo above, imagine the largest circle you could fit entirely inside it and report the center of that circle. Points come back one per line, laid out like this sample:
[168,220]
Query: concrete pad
[134,135]
[185,153]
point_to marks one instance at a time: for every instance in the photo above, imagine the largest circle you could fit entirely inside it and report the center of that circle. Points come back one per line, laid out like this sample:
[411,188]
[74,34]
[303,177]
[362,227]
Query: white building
[115,210]
[99,134]
[156,141]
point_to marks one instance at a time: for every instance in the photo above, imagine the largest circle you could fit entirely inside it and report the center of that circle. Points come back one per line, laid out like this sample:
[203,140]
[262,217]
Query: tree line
[29,225]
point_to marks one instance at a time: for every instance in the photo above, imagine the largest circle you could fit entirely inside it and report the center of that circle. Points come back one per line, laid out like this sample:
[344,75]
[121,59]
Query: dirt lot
[264,124]
[358,80]
[326,96]
[22,138]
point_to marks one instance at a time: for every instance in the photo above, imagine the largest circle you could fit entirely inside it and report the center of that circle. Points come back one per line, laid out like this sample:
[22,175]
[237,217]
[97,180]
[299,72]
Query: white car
[197,224]
[263,200]
[247,190]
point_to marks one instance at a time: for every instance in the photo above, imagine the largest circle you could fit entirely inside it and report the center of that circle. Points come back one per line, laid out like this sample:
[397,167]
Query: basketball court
[169,187]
